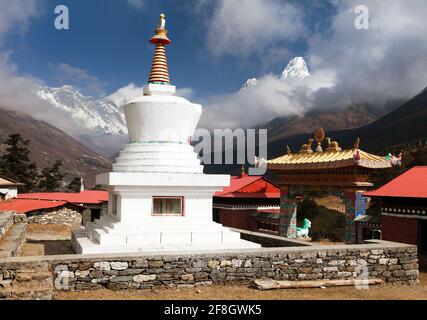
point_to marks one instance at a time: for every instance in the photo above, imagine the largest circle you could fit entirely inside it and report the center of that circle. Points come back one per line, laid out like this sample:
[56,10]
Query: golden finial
[288,150]
[319,136]
[159,69]
[162,22]
[356,144]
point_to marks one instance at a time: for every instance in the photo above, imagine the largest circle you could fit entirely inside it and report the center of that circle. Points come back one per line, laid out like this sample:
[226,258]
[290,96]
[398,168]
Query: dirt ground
[47,240]
[234,292]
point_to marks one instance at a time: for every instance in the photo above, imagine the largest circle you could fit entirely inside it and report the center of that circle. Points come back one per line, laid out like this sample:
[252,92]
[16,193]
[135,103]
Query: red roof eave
[411,184]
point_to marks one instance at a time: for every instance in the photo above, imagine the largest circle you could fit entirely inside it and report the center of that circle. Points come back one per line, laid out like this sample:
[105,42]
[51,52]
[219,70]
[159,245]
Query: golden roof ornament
[306,148]
[319,136]
[332,145]
[159,70]
[288,150]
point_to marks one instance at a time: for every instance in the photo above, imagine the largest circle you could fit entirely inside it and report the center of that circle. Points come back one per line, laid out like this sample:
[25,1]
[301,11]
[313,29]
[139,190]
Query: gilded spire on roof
[356,144]
[159,70]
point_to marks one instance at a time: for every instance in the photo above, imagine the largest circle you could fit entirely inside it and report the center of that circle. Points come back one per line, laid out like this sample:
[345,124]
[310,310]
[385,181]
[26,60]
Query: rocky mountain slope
[406,123]
[49,144]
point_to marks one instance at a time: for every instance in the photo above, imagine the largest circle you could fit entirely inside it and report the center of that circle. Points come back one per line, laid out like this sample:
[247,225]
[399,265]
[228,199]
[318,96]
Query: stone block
[103,265]
[144,278]
[85,265]
[226,263]
[200,264]
[119,265]
[130,272]
[121,279]
[187,277]
[140,264]
[155,263]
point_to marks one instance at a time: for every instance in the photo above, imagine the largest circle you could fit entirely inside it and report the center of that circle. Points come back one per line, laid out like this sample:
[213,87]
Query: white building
[159,198]
[8,189]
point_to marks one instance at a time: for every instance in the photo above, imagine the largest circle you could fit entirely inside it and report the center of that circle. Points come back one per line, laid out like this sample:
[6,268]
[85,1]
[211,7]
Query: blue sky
[108,39]
[217,45]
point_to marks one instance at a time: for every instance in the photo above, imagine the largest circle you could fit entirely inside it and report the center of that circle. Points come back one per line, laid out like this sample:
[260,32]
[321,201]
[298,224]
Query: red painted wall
[398,229]
[240,219]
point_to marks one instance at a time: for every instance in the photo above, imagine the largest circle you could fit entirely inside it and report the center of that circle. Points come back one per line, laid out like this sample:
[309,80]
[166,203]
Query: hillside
[49,144]
[405,123]
[351,117]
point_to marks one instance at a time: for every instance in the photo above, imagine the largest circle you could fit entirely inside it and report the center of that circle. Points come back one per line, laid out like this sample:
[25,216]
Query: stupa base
[102,237]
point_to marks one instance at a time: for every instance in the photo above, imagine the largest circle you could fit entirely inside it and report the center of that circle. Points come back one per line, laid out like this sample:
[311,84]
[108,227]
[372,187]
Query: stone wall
[6,221]
[394,263]
[70,216]
[12,233]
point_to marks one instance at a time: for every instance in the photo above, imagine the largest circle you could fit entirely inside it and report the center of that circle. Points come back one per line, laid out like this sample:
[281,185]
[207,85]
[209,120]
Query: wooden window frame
[182,214]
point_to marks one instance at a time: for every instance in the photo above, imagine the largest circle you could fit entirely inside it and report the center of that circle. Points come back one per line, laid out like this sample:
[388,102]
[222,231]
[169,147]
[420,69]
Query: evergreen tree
[74,185]
[15,162]
[51,177]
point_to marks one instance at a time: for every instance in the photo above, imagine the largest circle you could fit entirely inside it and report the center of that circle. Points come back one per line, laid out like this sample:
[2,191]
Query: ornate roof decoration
[333,157]
[159,70]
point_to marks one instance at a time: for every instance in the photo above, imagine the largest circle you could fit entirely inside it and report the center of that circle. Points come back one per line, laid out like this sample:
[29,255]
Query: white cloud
[271,97]
[80,78]
[17,93]
[243,27]
[125,94]
[15,15]
[138,4]
[384,63]
[387,61]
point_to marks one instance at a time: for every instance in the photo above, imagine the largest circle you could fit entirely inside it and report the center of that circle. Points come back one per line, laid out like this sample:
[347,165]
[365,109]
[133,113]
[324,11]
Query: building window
[168,206]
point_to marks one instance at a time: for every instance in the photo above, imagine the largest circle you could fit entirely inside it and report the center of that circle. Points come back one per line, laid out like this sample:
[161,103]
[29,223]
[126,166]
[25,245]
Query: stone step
[6,221]
[11,244]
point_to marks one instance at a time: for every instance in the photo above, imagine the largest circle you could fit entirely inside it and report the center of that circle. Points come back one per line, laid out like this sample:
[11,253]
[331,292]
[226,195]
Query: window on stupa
[168,206]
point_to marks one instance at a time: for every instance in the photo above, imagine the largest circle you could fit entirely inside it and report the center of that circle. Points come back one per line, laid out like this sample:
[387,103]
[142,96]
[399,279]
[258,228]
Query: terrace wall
[392,262]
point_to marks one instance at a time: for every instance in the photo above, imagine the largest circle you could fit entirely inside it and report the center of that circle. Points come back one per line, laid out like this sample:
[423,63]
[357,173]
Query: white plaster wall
[161,118]
[11,192]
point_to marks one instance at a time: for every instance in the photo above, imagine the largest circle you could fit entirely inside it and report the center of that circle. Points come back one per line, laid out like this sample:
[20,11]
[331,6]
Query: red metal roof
[85,197]
[246,186]
[25,205]
[411,184]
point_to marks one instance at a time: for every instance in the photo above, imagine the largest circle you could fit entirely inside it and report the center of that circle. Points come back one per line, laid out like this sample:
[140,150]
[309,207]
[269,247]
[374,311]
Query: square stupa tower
[159,197]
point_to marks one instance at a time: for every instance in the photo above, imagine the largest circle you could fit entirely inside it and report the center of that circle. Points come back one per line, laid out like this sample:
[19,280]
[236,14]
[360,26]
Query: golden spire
[159,70]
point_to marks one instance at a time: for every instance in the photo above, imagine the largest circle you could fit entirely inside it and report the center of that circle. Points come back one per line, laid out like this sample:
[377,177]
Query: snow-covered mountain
[101,116]
[249,83]
[296,69]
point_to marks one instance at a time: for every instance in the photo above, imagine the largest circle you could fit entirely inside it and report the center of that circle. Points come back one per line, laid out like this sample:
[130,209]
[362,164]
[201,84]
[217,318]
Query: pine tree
[50,179]
[15,162]
[75,185]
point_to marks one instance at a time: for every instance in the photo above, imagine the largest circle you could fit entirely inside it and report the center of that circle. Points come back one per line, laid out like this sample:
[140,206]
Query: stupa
[159,197]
